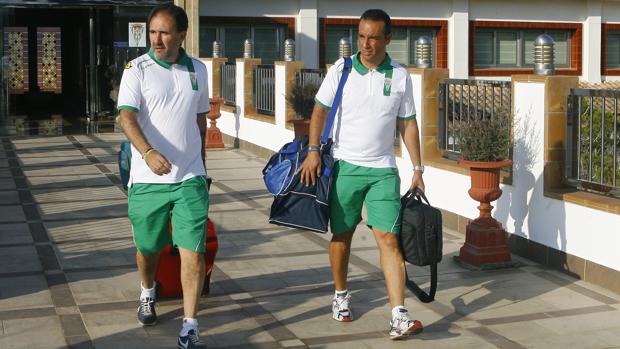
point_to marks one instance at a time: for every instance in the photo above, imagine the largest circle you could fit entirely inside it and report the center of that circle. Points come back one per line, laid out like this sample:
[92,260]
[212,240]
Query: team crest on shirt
[128,65]
[387,86]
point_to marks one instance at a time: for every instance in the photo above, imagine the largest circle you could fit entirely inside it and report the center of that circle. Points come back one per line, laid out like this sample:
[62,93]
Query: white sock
[396,310]
[341,294]
[147,292]
[189,324]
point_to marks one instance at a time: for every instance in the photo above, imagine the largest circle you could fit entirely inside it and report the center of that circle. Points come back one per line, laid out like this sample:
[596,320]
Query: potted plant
[301,99]
[485,144]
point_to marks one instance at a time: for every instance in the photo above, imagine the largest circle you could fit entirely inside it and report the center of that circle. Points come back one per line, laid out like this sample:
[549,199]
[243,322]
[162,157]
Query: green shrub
[485,139]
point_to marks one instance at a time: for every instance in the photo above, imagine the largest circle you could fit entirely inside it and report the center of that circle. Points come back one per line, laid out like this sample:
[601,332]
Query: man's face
[164,37]
[372,40]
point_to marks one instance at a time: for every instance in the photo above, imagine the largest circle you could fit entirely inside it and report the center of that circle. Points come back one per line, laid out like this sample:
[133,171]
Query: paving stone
[50,171]
[93,230]
[17,233]
[19,259]
[45,333]
[78,194]
[104,286]
[79,181]
[7,184]
[54,161]
[84,210]
[24,292]
[9,197]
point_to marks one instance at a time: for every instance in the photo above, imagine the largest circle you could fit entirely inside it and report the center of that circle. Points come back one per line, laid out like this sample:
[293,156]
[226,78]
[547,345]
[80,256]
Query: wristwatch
[314,147]
[418,168]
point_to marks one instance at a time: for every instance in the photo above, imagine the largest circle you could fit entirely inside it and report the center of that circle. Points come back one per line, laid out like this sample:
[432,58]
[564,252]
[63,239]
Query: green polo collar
[183,59]
[385,65]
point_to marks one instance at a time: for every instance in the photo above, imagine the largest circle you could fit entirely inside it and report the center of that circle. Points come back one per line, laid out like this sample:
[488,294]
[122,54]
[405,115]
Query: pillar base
[485,244]
[214,138]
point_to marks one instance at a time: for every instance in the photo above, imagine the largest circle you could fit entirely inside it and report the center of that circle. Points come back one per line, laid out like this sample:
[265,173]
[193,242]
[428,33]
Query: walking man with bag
[163,101]
[377,97]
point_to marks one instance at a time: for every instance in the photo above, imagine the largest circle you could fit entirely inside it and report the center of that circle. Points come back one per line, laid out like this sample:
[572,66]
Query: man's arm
[156,161]
[311,167]
[201,119]
[410,134]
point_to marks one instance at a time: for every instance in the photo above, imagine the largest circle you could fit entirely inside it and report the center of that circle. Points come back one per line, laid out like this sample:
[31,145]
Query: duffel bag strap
[332,112]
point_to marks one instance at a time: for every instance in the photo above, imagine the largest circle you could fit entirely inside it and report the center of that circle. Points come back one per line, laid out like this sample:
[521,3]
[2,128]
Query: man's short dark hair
[176,12]
[379,15]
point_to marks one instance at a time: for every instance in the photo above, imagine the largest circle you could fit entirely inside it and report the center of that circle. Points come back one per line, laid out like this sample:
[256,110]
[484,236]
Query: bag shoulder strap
[332,112]
[423,296]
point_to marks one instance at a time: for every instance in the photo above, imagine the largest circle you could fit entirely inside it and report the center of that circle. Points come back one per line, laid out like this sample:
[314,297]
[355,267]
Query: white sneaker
[341,310]
[402,325]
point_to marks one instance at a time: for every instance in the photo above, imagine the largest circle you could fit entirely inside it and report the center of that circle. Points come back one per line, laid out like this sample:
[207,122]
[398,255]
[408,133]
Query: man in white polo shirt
[377,97]
[163,101]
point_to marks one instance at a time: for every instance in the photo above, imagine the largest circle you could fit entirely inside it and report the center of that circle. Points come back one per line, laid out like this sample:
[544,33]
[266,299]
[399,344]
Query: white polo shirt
[372,100]
[167,97]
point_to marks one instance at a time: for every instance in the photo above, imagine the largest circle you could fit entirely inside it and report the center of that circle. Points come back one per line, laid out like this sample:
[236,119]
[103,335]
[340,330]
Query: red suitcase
[168,273]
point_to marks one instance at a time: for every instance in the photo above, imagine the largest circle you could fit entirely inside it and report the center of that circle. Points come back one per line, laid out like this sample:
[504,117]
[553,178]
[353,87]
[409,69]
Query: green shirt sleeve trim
[408,117]
[128,107]
[321,104]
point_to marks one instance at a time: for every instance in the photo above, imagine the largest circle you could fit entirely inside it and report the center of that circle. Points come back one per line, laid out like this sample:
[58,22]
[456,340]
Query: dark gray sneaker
[191,341]
[146,310]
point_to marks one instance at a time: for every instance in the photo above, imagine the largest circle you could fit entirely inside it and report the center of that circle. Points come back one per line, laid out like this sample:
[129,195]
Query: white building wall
[307,34]
[611,11]
[458,40]
[244,8]
[591,57]
[419,9]
[528,10]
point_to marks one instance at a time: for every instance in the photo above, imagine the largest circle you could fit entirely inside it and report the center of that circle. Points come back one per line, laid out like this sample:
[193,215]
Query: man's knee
[387,241]
[191,260]
[343,237]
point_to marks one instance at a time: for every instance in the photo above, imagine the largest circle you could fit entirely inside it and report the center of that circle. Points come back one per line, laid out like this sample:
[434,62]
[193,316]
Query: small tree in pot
[485,144]
[301,99]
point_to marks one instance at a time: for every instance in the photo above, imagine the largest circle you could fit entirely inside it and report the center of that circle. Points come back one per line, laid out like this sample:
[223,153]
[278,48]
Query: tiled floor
[68,276]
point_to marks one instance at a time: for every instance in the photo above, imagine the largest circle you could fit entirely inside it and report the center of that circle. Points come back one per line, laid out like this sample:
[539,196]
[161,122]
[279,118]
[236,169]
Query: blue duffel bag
[295,204]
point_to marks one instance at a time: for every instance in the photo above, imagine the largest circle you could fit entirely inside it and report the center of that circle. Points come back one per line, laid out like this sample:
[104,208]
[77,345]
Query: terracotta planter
[485,183]
[214,135]
[485,239]
[300,126]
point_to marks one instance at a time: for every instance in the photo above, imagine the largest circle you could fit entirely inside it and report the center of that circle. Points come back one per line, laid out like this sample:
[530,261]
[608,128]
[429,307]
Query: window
[268,41]
[402,48]
[612,51]
[510,48]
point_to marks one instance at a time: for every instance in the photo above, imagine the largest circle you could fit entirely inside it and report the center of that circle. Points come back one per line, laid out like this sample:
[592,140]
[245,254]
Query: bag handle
[332,112]
[417,193]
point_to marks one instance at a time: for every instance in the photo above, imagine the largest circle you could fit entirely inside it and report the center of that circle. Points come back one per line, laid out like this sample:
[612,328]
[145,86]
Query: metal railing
[463,100]
[264,89]
[593,140]
[228,81]
[310,76]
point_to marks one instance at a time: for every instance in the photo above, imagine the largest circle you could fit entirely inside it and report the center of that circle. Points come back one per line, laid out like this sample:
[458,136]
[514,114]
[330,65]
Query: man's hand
[417,181]
[310,169]
[157,163]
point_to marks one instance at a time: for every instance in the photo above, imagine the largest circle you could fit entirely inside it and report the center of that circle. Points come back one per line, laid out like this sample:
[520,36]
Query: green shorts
[152,205]
[353,186]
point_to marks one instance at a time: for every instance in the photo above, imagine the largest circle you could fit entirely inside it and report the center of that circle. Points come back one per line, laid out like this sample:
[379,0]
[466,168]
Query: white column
[458,40]
[307,34]
[591,57]
[209,64]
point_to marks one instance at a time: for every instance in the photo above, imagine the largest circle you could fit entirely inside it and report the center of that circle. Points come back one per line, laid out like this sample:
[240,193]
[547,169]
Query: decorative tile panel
[49,66]
[16,49]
